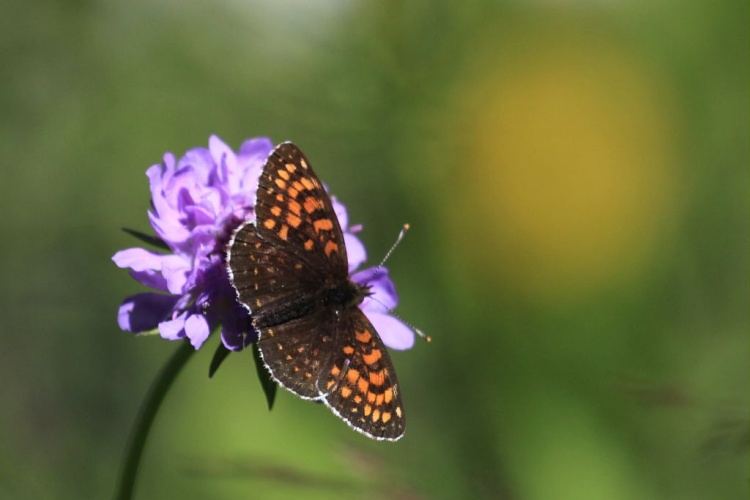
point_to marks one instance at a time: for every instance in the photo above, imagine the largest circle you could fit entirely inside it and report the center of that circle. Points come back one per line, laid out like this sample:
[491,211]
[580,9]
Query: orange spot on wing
[352,375]
[379,400]
[269,223]
[335,371]
[388,395]
[298,186]
[291,167]
[323,225]
[294,207]
[345,392]
[376,415]
[307,183]
[363,385]
[357,399]
[293,192]
[368,410]
[283,174]
[293,220]
[398,411]
[377,378]
[371,397]
[280,183]
[330,247]
[284,232]
[309,245]
[386,417]
[373,357]
[312,204]
[363,337]
[348,350]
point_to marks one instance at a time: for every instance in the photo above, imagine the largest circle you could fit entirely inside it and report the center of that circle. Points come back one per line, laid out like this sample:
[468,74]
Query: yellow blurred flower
[568,183]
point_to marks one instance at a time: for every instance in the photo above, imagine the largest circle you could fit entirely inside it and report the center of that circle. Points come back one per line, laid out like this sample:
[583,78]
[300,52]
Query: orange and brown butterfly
[289,267]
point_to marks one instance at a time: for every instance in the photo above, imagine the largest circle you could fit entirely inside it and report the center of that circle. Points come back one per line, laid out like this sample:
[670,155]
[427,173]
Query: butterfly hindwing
[359,381]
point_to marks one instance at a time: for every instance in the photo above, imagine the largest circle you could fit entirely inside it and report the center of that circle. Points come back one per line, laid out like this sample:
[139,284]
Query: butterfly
[289,268]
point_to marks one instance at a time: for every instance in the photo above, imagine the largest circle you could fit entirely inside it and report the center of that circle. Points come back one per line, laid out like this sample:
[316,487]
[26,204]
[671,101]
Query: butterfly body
[290,270]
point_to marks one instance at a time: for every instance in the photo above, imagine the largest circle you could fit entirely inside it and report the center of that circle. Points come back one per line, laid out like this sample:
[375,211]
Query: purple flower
[196,204]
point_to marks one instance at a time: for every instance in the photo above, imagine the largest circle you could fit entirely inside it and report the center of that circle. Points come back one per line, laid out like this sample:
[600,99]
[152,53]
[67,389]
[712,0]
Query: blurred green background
[576,176]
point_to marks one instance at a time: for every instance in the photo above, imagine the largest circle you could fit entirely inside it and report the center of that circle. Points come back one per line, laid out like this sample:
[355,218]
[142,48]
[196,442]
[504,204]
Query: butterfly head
[347,294]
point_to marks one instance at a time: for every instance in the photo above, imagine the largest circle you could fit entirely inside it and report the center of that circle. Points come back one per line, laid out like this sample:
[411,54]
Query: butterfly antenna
[419,332]
[400,237]
[423,335]
[395,244]
[379,268]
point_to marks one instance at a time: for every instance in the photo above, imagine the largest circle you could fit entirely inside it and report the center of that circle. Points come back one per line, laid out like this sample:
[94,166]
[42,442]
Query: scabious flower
[196,204]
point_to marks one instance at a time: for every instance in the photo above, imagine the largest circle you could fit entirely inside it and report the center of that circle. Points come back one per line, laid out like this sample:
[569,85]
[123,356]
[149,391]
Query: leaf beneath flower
[219,356]
[149,240]
[268,385]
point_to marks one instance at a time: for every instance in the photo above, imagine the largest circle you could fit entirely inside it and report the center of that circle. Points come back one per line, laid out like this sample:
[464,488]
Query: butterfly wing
[293,209]
[282,299]
[359,382]
[280,262]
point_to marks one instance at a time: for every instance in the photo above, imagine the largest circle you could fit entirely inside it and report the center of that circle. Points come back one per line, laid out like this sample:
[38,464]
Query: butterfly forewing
[292,206]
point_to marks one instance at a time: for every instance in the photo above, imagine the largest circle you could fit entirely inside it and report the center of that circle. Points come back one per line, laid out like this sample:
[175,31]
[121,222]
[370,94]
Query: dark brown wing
[280,263]
[292,209]
[282,299]
[271,281]
[359,382]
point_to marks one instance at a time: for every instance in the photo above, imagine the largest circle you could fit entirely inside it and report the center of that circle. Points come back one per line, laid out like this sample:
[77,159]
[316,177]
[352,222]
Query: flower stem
[145,418]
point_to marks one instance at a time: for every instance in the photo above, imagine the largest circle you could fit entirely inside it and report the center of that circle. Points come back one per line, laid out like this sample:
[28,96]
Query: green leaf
[149,240]
[219,356]
[268,385]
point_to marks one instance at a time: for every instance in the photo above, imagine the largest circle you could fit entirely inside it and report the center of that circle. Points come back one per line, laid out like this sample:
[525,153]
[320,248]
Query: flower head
[196,204]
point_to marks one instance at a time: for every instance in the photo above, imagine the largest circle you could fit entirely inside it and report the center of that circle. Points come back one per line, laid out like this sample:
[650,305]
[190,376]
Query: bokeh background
[576,176]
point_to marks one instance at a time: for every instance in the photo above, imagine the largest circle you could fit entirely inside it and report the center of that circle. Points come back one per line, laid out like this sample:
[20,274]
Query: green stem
[145,419]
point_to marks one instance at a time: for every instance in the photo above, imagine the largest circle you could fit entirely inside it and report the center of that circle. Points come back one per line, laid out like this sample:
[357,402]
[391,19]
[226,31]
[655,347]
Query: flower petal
[139,259]
[383,297]
[197,330]
[255,151]
[341,213]
[236,340]
[144,311]
[173,329]
[152,279]
[175,270]
[197,165]
[355,251]
[394,332]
